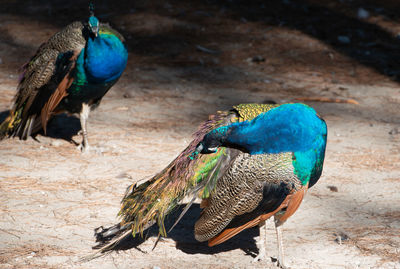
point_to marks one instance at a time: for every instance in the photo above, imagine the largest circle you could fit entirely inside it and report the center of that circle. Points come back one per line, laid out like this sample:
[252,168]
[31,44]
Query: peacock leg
[261,242]
[278,229]
[84,115]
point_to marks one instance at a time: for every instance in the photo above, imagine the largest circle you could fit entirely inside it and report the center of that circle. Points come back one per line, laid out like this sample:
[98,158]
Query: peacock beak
[95,31]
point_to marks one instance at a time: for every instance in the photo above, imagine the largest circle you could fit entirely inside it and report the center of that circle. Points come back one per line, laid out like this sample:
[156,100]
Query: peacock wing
[44,77]
[254,188]
[65,74]
[42,66]
[35,75]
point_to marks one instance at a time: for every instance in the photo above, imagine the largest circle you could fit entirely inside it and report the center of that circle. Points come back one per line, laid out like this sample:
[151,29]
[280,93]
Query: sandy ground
[188,60]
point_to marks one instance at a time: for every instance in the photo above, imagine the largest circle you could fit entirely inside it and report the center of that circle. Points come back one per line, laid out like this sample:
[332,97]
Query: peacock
[247,164]
[71,72]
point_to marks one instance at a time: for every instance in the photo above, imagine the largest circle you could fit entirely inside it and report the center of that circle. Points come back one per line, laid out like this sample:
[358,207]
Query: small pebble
[333,188]
[341,237]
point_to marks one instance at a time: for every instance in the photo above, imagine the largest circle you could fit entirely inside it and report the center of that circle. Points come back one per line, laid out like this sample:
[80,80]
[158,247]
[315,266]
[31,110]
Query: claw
[281,265]
[83,148]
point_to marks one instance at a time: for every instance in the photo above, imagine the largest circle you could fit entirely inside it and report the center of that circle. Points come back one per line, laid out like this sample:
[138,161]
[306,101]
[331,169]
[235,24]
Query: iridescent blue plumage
[287,128]
[106,58]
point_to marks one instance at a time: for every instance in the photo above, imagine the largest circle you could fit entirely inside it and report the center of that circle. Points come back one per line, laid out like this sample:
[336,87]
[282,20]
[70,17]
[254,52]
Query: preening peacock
[247,164]
[70,72]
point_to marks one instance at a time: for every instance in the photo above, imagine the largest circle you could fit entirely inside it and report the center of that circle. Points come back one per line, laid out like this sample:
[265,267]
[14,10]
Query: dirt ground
[187,60]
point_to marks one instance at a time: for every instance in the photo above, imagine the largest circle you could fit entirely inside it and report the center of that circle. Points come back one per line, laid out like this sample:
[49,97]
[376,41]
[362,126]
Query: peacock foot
[281,265]
[83,148]
[91,149]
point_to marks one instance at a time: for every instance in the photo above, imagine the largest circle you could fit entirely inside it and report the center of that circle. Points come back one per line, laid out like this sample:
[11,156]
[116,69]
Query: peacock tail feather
[153,200]
[10,123]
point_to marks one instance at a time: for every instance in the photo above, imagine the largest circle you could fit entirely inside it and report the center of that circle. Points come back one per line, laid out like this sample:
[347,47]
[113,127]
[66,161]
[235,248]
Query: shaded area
[365,42]
[183,235]
[333,22]
[3,115]
[61,126]
[163,40]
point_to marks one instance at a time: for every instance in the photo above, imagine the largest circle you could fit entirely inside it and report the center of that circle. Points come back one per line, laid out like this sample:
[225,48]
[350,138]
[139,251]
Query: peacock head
[94,25]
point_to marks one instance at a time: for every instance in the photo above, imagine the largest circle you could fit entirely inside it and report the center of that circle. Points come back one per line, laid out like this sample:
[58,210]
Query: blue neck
[292,128]
[287,128]
[105,58]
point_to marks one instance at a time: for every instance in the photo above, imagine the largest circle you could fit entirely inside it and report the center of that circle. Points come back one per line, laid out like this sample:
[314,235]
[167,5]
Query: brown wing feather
[36,74]
[290,204]
[229,233]
[293,205]
[59,93]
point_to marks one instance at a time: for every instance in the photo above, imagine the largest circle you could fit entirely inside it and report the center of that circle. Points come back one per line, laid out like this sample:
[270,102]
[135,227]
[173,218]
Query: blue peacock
[71,72]
[247,164]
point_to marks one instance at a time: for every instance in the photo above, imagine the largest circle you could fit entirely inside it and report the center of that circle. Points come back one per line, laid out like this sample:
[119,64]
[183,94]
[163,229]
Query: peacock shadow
[183,235]
[61,126]
[3,115]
